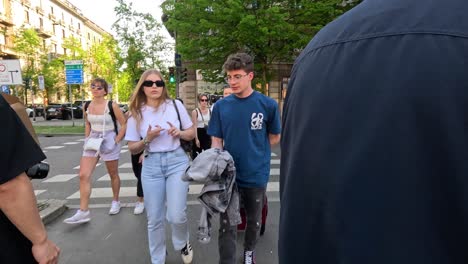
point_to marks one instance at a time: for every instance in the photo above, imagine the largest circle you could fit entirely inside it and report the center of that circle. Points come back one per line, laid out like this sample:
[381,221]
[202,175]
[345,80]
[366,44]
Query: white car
[29,111]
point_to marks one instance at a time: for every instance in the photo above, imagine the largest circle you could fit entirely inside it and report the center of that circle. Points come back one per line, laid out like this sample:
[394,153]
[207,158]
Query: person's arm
[195,121]
[217,142]
[274,138]
[122,121]
[18,203]
[188,134]
[87,124]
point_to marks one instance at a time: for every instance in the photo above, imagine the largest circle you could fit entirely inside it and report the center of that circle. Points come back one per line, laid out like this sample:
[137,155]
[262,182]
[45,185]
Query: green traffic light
[172,79]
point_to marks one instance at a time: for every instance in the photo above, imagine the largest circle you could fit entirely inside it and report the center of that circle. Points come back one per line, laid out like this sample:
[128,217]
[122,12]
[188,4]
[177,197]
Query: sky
[101,12]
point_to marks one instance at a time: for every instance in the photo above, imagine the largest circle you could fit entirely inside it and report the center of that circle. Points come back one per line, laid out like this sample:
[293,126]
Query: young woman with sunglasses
[154,118]
[201,117]
[99,123]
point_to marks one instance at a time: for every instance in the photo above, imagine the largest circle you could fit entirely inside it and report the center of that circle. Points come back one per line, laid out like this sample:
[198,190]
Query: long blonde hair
[139,98]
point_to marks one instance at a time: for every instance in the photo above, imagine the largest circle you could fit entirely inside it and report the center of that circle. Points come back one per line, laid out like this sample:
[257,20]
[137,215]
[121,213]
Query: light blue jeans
[161,178]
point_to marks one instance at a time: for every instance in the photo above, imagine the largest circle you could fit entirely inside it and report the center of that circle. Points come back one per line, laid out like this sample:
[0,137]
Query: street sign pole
[73,75]
[71,104]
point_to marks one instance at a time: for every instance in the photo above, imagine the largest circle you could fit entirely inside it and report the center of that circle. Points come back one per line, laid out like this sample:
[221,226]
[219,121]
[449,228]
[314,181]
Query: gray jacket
[215,168]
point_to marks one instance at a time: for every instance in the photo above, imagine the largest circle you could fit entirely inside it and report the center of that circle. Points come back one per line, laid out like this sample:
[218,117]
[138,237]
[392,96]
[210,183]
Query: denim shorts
[109,150]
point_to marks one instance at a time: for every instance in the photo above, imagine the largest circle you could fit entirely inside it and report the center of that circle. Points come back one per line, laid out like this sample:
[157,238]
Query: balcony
[71,28]
[44,33]
[26,3]
[5,19]
[39,10]
[52,17]
[6,51]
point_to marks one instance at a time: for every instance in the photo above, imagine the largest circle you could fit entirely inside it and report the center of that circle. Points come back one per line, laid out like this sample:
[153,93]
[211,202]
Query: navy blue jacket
[374,166]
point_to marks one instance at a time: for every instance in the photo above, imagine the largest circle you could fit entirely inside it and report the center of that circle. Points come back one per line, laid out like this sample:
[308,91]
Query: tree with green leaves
[28,47]
[141,44]
[273,32]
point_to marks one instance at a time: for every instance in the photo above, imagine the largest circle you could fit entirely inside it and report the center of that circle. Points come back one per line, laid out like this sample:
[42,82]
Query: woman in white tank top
[201,116]
[99,123]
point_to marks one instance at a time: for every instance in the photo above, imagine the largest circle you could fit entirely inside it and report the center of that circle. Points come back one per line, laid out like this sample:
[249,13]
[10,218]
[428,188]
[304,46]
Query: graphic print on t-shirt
[257,121]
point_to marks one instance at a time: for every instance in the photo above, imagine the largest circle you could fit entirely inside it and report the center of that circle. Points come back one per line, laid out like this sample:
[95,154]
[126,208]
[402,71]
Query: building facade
[53,21]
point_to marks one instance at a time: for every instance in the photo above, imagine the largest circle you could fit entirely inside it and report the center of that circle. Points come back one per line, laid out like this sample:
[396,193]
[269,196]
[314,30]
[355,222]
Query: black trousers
[205,142]
[136,167]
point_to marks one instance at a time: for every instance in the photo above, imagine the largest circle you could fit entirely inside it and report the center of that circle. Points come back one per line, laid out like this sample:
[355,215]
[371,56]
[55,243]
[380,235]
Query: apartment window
[44,44]
[64,51]
[52,10]
[26,16]
[41,22]
[55,48]
[63,17]
[89,36]
[79,25]
[63,33]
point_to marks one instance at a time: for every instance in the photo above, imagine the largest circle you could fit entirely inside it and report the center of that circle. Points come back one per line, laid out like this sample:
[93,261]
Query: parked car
[124,108]
[63,111]
[29,111]
[38,108]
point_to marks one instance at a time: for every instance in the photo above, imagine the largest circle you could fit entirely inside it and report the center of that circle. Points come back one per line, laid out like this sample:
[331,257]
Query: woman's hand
[153,133]
[173,131]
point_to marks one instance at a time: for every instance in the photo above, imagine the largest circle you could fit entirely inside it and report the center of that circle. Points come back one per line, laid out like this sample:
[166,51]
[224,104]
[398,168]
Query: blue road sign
[74,72]
[5,89]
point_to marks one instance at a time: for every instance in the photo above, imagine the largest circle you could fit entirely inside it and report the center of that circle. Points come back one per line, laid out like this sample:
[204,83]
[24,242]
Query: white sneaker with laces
[115,208]
[187,253]
[249,257]
[78,218]
[139,208]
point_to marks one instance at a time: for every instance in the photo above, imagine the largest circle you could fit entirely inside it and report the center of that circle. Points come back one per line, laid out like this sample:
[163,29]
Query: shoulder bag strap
[178,115]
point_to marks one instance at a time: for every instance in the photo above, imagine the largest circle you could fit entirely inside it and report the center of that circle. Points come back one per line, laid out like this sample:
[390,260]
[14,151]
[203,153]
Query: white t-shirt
[151,116]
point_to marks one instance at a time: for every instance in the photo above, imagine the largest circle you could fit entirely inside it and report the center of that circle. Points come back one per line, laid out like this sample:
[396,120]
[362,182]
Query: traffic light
[171,75]
[183,75]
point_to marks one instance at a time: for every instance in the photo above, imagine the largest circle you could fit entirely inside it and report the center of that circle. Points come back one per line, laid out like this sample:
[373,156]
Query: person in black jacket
[374,147]
[23,236]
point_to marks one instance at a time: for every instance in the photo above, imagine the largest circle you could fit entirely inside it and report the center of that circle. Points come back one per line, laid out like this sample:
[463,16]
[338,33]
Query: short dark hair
[239,61]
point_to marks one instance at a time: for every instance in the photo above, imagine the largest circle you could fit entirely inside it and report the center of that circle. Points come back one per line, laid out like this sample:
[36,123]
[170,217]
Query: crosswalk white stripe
[275,161]
[131,191]
[61,178]
[127,165]
[123,150]
[78,167]
[273,154]
[131,205]
[54,147]
[37,192]
[123,177]
[71,143]
[125,146]
[274,171]
[81,139]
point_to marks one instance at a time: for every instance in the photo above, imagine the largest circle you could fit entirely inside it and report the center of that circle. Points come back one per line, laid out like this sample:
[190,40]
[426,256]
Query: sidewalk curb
[50,209]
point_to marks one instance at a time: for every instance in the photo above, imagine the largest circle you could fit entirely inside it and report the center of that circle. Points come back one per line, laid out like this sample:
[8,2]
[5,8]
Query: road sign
[5,89]
[74,71]
[41,82]
[10,72]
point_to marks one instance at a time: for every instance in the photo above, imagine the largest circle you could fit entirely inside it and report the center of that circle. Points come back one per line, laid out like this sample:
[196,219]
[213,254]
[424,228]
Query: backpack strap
[178,115]
[112,114]
[86,105]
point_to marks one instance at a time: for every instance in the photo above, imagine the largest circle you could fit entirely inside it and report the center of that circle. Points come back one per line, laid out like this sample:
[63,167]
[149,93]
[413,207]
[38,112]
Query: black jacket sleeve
[18,150]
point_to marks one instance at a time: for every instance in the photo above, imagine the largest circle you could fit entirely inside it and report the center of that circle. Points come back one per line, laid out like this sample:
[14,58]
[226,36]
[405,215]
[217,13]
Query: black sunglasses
[96,87]
[203,100]
[148,83]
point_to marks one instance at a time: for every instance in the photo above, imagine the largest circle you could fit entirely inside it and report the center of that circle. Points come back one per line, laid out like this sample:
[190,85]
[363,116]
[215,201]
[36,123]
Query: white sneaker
[187,253]
[115,208]
[78,218]
[139,208]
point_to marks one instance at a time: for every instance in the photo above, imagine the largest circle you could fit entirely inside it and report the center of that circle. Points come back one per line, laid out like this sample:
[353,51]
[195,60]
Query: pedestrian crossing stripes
[78,167]
[61,178]
[194,189]
[54,147]
[71,143]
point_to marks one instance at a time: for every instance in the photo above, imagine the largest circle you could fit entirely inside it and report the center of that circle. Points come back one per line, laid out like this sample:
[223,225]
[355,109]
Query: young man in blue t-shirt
[246,124]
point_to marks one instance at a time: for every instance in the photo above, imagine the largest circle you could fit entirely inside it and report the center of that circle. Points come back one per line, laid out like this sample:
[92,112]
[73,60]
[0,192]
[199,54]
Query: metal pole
[33,106]
[82,103]
[71,105]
